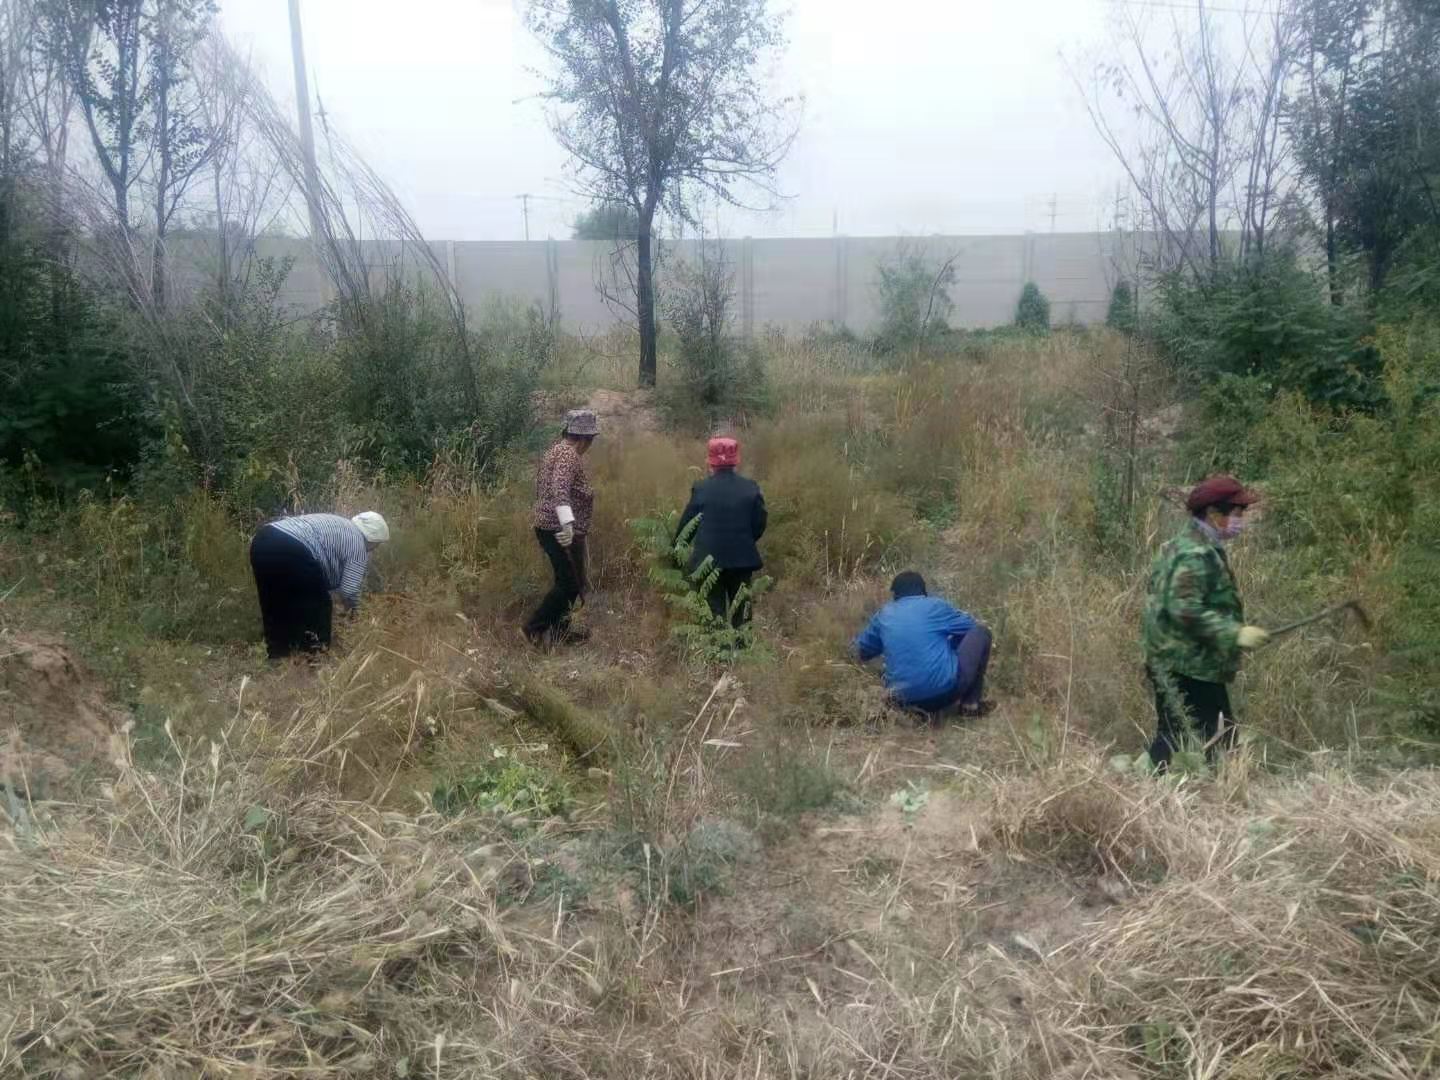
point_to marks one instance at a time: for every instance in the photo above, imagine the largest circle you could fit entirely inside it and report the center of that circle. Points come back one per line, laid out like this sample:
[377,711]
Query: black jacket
[732,518]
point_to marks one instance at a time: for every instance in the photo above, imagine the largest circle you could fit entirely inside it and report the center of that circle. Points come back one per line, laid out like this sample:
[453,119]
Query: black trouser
[294,600]
[722,595]
[1189,709]
[568,565]
[973,653]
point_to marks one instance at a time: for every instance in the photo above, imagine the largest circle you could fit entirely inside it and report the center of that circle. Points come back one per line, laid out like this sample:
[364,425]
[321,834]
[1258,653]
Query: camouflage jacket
[1193,613]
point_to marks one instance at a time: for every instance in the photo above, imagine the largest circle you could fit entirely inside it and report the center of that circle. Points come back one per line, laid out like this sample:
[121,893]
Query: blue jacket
[917,637]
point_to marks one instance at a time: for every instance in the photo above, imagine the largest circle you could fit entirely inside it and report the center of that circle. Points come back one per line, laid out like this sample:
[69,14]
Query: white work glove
[1251,637]
[566,535]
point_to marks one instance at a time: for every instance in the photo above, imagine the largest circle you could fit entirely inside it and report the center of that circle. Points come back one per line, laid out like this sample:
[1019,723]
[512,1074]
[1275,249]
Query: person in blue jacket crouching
[935,654]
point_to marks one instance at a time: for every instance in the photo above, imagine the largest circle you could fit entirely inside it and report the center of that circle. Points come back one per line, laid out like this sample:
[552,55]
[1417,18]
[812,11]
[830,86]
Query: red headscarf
[723,454]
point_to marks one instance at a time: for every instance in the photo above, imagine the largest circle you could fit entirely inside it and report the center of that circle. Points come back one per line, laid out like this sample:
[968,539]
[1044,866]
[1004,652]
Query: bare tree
[181,142]
[1269,173]
[1337,36]
[16,33]
[1198,130]
[47,100]
[17,29]
[248,188]
[658,100]
[100,47]
[127,63]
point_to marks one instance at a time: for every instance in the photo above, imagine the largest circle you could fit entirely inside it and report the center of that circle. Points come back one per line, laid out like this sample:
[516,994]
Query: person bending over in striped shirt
[298,562]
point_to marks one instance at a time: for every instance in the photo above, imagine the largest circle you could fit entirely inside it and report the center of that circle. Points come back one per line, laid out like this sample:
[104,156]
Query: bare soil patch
[56,718]
[627,411]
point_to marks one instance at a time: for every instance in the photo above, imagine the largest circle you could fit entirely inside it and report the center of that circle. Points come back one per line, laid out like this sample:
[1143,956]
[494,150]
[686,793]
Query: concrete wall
[787,283]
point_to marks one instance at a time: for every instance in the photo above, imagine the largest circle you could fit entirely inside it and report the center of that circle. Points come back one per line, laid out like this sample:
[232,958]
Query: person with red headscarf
[732,517]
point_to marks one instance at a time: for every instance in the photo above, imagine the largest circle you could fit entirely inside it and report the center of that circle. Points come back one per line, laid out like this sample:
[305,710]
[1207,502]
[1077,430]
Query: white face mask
[1234,525]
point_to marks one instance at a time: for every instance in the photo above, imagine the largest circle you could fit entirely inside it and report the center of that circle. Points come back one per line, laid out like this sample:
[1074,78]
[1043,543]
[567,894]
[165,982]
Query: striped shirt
[561,481]
[337,544]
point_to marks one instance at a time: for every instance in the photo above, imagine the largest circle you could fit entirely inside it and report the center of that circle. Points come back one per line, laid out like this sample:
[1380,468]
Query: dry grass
[215,923]
[224,920]
[1292,937]
[282,900]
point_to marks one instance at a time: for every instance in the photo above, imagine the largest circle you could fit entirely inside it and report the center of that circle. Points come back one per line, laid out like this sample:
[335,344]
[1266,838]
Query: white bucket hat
[373,526]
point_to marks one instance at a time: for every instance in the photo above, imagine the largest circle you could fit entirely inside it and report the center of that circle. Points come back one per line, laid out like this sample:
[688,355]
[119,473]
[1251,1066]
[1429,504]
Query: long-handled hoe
[1352,606]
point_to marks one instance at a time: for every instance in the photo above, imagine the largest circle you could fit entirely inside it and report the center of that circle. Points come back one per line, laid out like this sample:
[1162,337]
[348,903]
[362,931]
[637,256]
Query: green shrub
[1269,319]
[1032,312]
[228,392]
[415,383]
[1123,311]
[70,400]
[1221,427]
[915,302]
[703,864]
[787,779]
[1352,503]
[247,404]
[717,377]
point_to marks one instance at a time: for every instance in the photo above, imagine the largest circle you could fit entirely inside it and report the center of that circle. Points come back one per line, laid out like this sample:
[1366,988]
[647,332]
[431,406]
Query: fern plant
[704,635]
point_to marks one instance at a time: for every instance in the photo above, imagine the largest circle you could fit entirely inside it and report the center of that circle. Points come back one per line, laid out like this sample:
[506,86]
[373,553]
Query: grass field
[442,854]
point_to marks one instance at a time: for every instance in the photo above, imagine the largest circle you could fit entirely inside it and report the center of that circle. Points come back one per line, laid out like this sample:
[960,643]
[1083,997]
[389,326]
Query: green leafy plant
[911,799]
[505,784]
[704,635]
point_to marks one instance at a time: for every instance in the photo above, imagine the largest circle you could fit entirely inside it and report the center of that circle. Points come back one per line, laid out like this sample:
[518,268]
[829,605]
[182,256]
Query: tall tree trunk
[222,240]
[165,169]
[1332,256]
[645,299]
[58,243]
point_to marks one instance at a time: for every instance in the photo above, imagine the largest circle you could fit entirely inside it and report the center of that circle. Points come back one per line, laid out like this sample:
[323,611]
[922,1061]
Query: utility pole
[1053,200]
[307,133]
[525,210]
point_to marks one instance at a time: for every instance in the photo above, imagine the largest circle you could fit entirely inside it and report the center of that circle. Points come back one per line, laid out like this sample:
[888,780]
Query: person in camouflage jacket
[1193,630]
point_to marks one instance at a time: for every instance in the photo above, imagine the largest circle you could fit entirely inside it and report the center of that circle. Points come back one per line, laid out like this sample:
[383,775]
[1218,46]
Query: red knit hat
[1217,489]
[723,454]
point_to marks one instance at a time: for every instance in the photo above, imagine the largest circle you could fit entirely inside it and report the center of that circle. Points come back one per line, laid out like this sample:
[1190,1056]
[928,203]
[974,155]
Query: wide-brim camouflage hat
[583,423]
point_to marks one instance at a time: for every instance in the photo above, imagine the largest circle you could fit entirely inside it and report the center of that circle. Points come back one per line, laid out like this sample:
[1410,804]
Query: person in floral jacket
[564,505]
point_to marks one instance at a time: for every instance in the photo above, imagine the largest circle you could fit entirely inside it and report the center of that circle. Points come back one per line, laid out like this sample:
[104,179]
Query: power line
[1198,8]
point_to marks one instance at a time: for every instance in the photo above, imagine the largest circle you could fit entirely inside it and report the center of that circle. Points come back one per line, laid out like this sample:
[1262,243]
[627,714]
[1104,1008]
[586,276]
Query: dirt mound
[628,411]
[53,715]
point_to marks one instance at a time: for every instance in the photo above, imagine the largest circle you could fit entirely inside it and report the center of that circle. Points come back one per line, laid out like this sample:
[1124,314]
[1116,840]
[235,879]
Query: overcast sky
[921,116]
